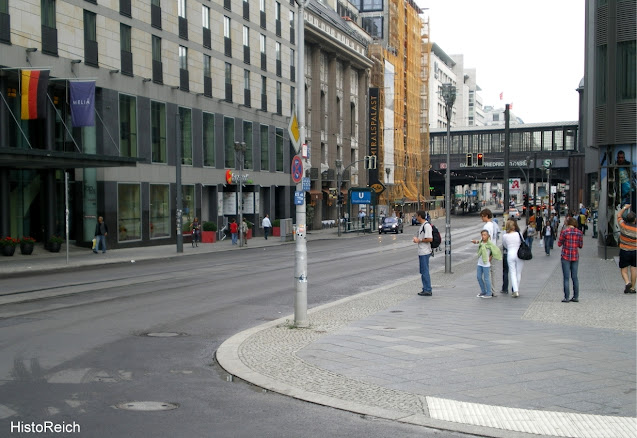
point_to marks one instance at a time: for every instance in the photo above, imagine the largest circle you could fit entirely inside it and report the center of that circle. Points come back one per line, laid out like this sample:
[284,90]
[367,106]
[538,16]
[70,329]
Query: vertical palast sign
[374,106]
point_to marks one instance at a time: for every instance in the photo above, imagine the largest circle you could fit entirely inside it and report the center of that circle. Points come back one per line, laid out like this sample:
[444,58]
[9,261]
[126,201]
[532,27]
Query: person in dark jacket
[101,231]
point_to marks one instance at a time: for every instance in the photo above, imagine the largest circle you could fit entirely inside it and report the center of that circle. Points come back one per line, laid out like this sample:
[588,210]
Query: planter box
[208,236]
[249,234]
[276,231]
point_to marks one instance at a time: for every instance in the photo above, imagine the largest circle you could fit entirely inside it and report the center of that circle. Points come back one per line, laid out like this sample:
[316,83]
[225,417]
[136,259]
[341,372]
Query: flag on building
[501,95]
[82,103]
[33,93]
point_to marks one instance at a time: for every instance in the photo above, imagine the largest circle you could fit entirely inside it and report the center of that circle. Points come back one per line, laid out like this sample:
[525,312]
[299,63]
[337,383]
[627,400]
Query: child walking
[486,250]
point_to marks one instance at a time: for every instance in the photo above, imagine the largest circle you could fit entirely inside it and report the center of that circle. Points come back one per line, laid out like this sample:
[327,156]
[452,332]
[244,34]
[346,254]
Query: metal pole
[339,182]
[535,184]
[66,213]
[300,260]
[528,188]
[180,237]
[507,137]
[449,96]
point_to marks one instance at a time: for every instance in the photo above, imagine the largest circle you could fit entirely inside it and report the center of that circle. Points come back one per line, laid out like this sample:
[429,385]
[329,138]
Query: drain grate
[164,334]
[147,406]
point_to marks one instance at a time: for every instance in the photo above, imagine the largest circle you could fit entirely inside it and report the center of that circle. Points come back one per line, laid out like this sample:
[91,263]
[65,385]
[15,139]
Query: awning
[46,159]
[316,194]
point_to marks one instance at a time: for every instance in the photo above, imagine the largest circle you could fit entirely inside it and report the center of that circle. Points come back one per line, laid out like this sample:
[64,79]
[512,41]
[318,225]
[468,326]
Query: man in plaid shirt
[571,241]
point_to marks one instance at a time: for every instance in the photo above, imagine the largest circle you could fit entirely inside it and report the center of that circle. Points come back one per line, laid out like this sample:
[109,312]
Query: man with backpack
[423,239]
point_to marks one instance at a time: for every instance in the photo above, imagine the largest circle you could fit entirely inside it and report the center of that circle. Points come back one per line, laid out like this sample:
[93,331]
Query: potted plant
[26,245]
[276,227]
[209,232]
[55,243]
[7,245]
[249,233]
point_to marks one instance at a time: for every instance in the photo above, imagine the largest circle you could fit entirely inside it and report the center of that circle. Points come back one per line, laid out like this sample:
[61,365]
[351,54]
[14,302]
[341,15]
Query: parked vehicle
[391,225]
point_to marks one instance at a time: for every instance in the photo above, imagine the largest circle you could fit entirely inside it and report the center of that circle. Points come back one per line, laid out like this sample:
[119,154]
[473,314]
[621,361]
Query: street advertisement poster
[256,202]
[618,175]
[229,203]
[248,202]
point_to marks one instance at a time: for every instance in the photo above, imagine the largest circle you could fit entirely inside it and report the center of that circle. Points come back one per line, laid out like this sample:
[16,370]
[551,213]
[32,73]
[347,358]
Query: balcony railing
[49,40]
[90,53]
[127,62]
[158,72]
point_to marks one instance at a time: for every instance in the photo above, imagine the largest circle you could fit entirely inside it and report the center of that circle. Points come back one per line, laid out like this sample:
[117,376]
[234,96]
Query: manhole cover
[163,334]
[147,406]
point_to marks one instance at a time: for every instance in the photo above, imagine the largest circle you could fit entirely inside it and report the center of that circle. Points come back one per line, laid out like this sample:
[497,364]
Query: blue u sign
[362,197]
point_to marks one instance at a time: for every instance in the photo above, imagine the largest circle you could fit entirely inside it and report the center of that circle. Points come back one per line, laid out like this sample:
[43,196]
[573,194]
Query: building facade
[608,113]
[182,82]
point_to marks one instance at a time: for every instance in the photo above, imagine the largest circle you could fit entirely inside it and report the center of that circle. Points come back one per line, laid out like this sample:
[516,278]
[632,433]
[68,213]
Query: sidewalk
[42,261]
[503,367]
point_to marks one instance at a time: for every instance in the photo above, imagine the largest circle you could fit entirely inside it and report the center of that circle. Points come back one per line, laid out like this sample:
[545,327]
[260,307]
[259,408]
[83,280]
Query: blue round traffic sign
[297,169]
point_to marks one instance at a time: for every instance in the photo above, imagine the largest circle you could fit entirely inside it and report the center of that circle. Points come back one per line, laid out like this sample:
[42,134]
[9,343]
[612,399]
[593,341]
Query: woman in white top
[511,241]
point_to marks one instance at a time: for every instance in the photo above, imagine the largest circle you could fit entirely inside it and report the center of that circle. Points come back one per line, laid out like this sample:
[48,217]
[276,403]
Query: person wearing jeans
[571,241]
[547,234]
[424,239]
[101,231]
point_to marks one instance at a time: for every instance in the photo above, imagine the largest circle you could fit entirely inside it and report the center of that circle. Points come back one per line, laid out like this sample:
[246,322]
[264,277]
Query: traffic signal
[480,159]
[340,198]
[469,160]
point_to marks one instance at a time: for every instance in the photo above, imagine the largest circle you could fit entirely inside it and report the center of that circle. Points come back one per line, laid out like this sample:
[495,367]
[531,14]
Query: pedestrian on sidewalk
[101,231]
[266,226]
[487,250]
[529,233]
[511,241]
[423,239]
[244,232]
[234,230]
[571,241]
[195,226]
[547,234]
[627,247]
[491,227]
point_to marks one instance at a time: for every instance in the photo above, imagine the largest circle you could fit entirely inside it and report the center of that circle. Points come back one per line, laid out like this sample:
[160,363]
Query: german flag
[33,91]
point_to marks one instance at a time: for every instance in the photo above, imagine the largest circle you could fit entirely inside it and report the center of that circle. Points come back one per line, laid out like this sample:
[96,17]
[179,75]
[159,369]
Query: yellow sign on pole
[294,131]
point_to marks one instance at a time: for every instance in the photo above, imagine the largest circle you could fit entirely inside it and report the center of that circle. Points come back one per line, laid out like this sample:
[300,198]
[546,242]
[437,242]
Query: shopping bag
[94,242]
[541,243]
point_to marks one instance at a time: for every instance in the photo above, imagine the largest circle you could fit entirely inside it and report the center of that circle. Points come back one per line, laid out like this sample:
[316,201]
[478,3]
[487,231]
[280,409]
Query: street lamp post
[240,149]
[449,96]
[388,171]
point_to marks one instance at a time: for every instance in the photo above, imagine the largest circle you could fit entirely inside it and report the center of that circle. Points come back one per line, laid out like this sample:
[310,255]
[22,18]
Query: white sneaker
[515,294]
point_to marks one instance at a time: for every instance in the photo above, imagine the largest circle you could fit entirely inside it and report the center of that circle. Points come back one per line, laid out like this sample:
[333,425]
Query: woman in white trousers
[511,241]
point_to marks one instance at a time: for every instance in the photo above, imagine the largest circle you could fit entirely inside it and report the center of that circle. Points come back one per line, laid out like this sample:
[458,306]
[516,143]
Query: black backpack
[437,239]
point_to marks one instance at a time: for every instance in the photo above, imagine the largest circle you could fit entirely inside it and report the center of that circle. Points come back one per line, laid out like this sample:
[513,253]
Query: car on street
[514,213]
[390,225]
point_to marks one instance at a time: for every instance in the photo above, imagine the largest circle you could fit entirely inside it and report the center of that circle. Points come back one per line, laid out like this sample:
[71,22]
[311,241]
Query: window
[187,205]
[601,74]
[626,77]
[292,28]
[373,26]
[262,44]
[183,58]
[228,81]
[292,99]
[159,211]
[265,150]
[158,131]
[156,48]
[125,48]
[277,18]
[205,17]
[181,8]
[247,94]
[371,5]
[246,36]
[185,125]
[90,39]
[227,41]
[246,80]
[279,149]
[277,50]
[5,26]
[49,31]
[206,66]
[158,76]
[48,13]
[279,101]
[209,140]
[207,76]
[262,5]
[264,95]
[292,65]
[247,138]
[129,212]
[262,17]
[155,13]
[226,27]
[228,137]
[127,125]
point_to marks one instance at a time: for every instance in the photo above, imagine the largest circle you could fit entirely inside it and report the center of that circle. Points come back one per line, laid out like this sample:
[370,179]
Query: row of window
[128,141]
[529,141]
[625,72]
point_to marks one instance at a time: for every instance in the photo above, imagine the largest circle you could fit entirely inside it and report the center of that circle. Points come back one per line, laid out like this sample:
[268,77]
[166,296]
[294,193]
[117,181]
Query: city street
[74,358]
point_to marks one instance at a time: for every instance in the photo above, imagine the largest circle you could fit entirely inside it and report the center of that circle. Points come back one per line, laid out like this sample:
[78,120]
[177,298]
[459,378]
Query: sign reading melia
[231,178]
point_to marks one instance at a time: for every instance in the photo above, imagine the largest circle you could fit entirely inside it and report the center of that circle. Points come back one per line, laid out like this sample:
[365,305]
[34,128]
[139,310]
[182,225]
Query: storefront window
[129,219]
[159,211]
[228,131]
[185,114]
[127,125]
[158,131]
[208,139]
[279,150]
[188,209]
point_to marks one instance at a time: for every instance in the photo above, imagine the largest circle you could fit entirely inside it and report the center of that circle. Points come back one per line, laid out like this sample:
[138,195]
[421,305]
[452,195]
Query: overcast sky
[532,51]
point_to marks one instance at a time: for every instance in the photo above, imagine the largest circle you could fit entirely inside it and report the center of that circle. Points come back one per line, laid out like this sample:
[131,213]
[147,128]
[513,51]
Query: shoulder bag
[524,252]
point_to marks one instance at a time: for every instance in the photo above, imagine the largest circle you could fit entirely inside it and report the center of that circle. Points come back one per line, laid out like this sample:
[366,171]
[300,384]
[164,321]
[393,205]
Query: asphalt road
[75,358]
